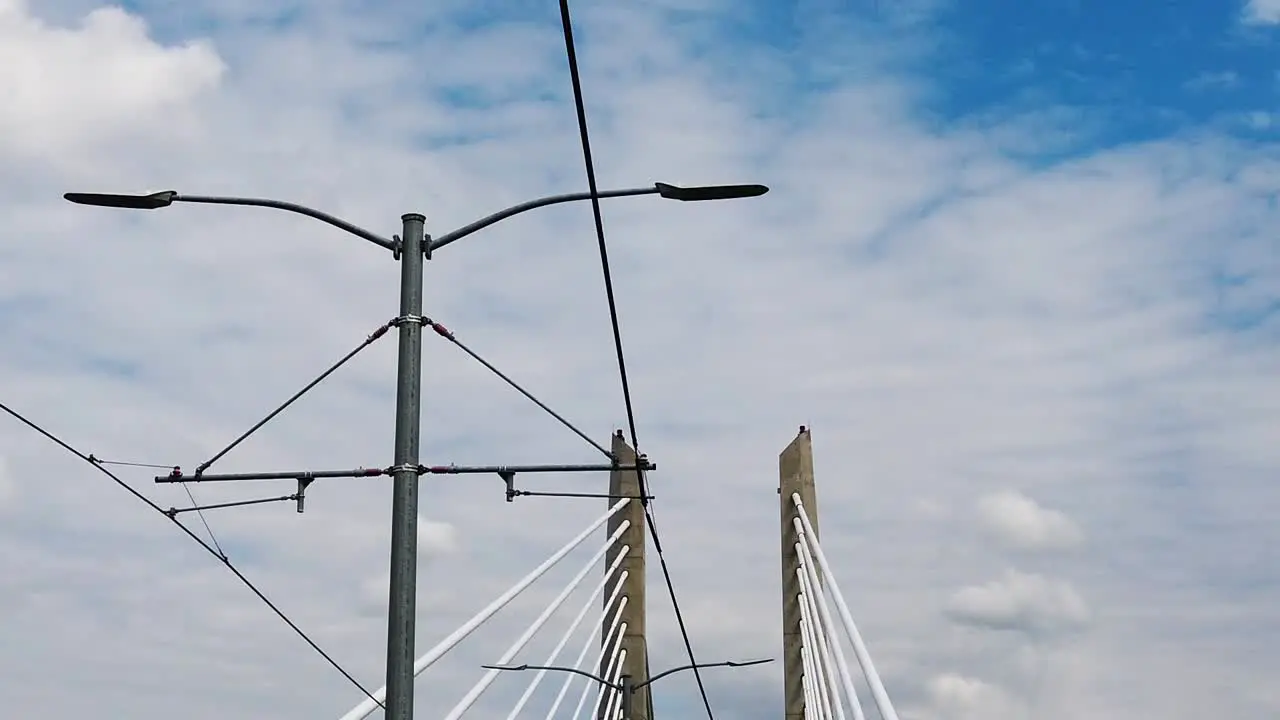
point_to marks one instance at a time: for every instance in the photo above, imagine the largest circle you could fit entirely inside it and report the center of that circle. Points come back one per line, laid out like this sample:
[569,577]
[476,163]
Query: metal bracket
[302,493]
[509,478]
[508,475]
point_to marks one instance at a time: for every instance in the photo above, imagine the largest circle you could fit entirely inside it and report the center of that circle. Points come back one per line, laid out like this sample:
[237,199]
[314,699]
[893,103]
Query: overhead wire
[98,465]
[575,78]
[190,495]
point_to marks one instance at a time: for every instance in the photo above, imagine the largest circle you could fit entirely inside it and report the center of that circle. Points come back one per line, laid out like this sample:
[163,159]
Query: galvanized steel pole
[402,595]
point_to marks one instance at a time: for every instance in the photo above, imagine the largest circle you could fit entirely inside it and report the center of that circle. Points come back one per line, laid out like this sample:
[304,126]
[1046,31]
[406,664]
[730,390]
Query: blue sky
[1017,269]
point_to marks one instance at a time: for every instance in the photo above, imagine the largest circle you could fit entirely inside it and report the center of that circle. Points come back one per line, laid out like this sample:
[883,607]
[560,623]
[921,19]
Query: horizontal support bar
[601,496]
[174,511]
[643,465]
[177,477]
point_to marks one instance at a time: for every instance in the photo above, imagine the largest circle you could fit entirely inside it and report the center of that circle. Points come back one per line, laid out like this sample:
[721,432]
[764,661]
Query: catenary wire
[190,495]
[204,521]
[100,461]
[198,540]
[576,80]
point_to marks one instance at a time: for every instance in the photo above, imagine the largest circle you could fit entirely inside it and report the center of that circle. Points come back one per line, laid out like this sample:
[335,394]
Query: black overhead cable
[99,466]
[195,506]
[574,76]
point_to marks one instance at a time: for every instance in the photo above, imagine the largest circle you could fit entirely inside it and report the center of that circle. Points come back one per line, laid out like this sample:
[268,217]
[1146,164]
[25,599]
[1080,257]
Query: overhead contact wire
[198,540]
[580,106]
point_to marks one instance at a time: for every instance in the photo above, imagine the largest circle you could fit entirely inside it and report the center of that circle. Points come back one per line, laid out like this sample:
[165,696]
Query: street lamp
[625,685]
[410,248]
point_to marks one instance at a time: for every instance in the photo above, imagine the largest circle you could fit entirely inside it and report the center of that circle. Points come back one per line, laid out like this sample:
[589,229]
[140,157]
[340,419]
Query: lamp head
[131,202]
[709,192]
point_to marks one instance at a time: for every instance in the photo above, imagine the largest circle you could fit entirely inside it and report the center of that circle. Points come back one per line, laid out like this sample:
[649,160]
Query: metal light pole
[625,686]
[411,248]
[402,595]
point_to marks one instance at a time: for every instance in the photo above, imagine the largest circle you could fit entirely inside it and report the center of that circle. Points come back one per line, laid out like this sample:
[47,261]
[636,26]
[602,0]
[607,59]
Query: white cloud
[1020,522]
[1262,12]
[958,697]
[1022,602]
[951,318]
[1222,80]
[436,538]
[67,89]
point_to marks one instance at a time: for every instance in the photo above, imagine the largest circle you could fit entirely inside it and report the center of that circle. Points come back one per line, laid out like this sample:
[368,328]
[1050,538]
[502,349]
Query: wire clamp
[411,320]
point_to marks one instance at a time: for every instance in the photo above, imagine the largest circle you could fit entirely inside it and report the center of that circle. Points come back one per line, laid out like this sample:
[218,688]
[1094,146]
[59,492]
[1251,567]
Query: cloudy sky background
[1018,271]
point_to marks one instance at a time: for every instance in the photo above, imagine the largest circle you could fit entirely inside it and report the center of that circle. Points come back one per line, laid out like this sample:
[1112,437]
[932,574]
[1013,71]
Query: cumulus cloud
[1021,602]
[64,87]
[1021,523]
[1056,315]
[1262,12]
[436,538]
[958,697]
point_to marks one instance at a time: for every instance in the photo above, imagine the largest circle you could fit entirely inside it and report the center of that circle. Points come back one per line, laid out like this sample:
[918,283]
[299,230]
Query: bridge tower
[795,475]
[626,483]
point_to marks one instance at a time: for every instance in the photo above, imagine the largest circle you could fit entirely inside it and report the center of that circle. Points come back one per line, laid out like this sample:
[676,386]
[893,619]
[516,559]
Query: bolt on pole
[402,594]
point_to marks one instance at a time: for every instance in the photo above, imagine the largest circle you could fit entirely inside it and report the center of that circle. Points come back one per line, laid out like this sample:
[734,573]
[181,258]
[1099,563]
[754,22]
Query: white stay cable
[573,627]
[811,644]
[586,645]
[613,650]
[832,646]
[821,645]
[811,711]
[478,689]
[614,701]
[368,705]
[808,537]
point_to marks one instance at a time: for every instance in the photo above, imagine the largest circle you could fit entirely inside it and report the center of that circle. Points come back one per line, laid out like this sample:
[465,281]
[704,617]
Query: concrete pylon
[795,475]
[626,483]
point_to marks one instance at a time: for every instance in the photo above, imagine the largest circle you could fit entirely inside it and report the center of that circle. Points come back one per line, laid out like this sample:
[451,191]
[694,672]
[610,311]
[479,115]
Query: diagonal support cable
[373,337]
[445,333]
